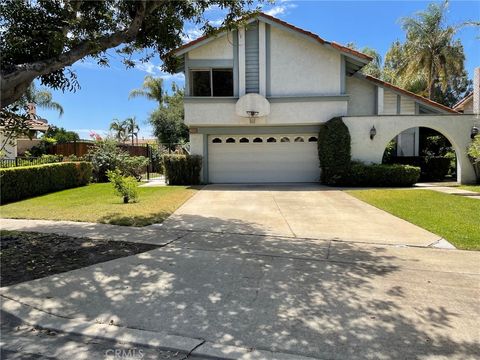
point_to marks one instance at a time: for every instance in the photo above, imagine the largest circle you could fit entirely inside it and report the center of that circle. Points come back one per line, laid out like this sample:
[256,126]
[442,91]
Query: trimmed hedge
[432,167]
[382,175]
[28,181]
[182,169]
[334,151]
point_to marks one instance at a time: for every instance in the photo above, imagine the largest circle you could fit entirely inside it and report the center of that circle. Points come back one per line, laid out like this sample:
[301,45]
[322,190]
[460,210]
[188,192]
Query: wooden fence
[81,148]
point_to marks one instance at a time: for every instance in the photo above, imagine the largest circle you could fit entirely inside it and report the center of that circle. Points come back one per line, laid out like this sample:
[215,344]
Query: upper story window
[211,82]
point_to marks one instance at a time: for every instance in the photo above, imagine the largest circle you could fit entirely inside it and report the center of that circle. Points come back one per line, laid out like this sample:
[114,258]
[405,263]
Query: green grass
[97,203]
[455,218]
[475,188]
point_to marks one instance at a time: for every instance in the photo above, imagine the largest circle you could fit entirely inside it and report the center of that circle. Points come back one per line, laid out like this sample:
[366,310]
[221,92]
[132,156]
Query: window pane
[201,83]
[222,82]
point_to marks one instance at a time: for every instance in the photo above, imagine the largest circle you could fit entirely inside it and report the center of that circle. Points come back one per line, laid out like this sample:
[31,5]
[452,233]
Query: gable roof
[356,55]
[410,94]
[459,105]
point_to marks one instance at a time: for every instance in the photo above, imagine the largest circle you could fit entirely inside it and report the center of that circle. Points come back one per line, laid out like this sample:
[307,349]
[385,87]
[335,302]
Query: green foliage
[42,39]
[125,186]
[24,182]
[474,149]
[43,147]
[152,89]
[390,152]
[107,155]
[104,156]
[182,169]
[61,135]
[436,167]
[134,166]
[473,152]
[167,120]
[334,151]
[42,98]
[382,175]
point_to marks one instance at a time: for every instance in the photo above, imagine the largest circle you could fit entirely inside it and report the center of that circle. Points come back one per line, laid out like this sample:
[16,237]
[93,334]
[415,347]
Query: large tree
[167,120]
[43,38]
[42,98]
[431,58]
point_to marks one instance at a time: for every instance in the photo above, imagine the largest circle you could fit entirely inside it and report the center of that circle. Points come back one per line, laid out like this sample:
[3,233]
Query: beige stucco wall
[299,67]
[456,128]
[361,96]
[218,49]
[281,113]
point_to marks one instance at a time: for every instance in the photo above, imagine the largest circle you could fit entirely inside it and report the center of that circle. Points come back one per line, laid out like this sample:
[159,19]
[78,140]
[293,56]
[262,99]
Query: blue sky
[103,95]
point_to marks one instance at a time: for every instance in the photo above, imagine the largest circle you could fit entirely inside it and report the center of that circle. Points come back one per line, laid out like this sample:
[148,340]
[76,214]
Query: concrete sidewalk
[320,299]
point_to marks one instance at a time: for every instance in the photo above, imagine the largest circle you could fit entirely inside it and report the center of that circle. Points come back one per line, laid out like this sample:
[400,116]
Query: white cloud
[217,22]
[280,9]
[191,34]
[147,67]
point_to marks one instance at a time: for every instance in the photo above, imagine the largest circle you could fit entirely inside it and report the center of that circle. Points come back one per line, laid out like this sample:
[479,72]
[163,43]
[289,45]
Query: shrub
[431,167]
[334,151]
[473,152]
[182,169]
[382,175]
[125,186]
[23,182]
[105,155]
[133,166]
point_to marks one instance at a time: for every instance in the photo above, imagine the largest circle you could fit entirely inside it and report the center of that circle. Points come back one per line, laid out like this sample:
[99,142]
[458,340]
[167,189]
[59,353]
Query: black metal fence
[24,161]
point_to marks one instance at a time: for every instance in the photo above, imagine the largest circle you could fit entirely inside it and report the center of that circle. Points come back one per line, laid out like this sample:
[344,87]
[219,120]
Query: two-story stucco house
[255,98]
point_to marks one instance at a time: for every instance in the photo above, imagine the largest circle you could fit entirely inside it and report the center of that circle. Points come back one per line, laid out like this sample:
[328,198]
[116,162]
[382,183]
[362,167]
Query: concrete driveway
[303,211]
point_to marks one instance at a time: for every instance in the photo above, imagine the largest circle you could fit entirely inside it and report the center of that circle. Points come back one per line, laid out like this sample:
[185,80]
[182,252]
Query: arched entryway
[426,148]
[456,128]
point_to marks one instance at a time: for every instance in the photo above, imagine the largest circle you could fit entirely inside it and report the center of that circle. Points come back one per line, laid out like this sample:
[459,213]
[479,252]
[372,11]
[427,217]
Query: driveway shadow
[260,292]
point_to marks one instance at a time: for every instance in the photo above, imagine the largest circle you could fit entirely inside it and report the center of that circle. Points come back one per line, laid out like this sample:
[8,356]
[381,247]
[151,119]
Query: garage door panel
[263,162]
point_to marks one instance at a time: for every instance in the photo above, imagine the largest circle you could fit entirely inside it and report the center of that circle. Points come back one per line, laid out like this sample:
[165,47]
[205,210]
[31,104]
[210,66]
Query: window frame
[210,70]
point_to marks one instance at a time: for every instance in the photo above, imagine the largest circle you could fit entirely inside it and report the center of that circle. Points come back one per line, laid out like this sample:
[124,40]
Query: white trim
[262,59]
[241,61]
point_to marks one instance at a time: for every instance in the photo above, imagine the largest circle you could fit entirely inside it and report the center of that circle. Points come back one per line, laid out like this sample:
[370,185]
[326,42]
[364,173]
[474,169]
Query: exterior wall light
[474,132]
[373,132]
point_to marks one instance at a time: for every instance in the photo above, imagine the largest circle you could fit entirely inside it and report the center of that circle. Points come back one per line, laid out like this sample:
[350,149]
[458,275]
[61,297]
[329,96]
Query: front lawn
[97,203]
[455,218]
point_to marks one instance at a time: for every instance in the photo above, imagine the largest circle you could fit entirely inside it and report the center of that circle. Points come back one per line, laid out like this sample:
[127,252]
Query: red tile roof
[317,38]
[411,94]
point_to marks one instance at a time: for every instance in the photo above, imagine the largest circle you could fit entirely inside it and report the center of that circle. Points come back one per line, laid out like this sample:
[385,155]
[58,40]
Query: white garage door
[263,158]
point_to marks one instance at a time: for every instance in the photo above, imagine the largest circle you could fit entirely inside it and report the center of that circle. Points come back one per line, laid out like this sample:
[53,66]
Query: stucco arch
[456,128]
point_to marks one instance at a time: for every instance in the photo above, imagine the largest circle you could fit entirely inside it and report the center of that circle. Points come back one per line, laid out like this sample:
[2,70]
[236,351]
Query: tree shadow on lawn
[134,220]
[267,292]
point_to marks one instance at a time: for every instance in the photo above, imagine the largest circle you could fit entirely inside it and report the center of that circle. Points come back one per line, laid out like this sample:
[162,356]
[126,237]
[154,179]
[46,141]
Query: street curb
[195,348]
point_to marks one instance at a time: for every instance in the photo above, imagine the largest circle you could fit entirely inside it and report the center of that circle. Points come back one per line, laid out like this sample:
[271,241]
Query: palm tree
[430,49]
[131,128]
[41,98]
[119,128]
[152,89]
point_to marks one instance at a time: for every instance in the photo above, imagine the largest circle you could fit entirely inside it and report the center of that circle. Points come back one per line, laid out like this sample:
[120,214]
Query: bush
[334,151]
[134,166]
[24,182]
[431,167]
[125,186]
[382,175]
[473,152]
[182,169]
[105,155]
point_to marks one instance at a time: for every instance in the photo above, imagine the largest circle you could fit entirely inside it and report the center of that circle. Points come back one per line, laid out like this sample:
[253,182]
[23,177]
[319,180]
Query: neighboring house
[465,106]
[17,147]
[255,99]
